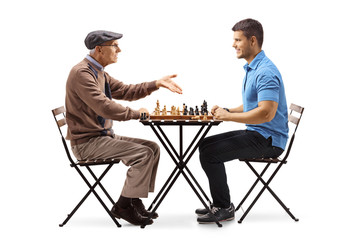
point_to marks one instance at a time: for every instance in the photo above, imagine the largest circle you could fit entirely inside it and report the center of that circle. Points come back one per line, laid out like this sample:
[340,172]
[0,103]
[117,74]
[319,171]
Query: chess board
[177,114]
[169,116]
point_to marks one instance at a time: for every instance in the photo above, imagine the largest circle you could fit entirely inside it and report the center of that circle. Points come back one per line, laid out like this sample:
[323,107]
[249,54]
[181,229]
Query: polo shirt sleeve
[268,86]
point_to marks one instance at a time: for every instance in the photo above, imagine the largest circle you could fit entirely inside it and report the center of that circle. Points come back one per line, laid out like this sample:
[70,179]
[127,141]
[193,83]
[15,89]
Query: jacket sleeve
[130,92]
[88,89]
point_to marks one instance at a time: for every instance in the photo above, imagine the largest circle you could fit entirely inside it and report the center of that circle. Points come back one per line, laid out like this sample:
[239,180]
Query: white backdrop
[313,43]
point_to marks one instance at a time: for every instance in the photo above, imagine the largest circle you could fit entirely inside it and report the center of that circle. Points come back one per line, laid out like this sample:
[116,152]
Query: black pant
[217,149]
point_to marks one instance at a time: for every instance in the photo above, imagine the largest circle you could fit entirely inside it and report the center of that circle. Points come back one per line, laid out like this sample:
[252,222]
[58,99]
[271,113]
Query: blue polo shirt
[263,82]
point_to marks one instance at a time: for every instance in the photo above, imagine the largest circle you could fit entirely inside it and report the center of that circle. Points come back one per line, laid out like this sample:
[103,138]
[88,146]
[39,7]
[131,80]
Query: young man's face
[242,45]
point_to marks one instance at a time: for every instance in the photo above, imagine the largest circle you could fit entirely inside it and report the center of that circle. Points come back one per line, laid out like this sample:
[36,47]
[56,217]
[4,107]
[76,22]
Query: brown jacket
[89,105]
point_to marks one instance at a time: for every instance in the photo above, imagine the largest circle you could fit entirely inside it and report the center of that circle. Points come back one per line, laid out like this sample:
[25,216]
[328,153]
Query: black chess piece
[191,112]
[185,110]
[143,116]
[196,110]
[205,107]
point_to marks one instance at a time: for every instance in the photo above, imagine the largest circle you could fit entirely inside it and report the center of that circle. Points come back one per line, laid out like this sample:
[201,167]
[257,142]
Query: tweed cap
[96,38]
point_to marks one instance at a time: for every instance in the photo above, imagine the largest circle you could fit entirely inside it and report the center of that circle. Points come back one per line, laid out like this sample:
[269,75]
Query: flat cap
[96,38]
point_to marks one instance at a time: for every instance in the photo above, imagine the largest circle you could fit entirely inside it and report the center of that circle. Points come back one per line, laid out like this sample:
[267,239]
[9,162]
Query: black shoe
[202,211]
[131,215]
[221,214]
[139,206]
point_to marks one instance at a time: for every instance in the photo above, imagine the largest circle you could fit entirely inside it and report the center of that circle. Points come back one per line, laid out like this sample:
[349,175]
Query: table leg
[181,157]
[180,165]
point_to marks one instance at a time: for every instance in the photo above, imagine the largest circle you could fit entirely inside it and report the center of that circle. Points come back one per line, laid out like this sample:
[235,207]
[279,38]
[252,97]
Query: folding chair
[61,121]
[294,110]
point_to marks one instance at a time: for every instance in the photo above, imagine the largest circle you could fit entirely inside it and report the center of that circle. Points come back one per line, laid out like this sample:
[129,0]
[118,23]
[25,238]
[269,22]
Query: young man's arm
[265,112]
[238,109]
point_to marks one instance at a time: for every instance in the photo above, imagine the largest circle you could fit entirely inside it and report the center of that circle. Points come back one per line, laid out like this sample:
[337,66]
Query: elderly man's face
[109,51]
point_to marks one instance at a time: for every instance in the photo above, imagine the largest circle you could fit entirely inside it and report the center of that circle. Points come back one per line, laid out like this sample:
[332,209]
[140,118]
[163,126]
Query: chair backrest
[62,121]
[59,116]
[294,117]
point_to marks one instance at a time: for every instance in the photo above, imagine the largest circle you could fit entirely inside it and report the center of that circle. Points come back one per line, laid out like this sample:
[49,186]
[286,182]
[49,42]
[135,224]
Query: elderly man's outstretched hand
[167,82]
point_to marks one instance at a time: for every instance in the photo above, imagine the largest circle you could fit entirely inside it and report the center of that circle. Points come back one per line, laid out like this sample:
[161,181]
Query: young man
[90,111]
[264,111]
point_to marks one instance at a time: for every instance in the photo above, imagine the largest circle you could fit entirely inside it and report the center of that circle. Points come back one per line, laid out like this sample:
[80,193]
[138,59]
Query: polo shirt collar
[255,62]
[96,64]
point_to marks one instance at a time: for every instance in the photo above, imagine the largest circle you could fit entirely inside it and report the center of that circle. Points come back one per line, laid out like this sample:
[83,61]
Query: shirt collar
[93,61]
[255,62]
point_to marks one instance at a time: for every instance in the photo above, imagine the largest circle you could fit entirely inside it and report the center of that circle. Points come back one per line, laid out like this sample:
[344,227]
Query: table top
[179,122]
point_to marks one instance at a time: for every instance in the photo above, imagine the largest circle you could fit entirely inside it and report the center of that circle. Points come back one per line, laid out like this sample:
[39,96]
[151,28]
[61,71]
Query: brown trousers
[141,155]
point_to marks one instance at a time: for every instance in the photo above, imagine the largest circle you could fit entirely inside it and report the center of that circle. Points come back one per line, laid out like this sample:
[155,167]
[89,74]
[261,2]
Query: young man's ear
[253,40]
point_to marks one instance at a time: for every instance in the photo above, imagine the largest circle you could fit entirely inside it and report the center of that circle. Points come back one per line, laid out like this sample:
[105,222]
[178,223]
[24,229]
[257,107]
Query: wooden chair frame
[87,163]
[292,119]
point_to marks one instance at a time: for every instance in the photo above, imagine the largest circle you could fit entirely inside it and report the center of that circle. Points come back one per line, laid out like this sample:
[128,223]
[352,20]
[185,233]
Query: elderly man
[264,111]
[90,114]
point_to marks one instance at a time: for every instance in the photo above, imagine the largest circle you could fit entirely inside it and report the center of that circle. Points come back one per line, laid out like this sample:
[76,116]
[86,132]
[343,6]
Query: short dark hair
[250,27]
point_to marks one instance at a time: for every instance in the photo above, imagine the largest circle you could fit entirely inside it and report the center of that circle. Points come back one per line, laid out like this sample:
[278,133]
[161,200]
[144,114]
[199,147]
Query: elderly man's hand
[167,82]
[144,110]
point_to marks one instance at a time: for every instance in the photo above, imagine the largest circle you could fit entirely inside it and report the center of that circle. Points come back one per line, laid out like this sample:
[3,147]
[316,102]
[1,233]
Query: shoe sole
[228,219]
[115,215]
[200,214]
[118,216]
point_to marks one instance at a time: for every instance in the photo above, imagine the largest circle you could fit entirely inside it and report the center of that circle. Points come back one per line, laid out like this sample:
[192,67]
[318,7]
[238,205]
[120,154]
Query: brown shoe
[131,215]
[139,206]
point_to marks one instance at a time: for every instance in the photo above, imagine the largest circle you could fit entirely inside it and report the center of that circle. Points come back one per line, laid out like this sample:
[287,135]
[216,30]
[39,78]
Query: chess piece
[178,111]
[196,110]
[173,110]
[157,109]
[185,112]
[205,107]
[191,112]
[143,116]
[205,117]
[164,112]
